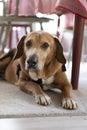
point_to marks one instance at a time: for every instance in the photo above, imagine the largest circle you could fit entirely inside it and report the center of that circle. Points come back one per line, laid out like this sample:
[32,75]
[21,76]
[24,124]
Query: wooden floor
[45,123]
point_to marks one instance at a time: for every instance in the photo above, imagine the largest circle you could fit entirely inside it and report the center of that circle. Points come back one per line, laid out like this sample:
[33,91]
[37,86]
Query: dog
[38,64]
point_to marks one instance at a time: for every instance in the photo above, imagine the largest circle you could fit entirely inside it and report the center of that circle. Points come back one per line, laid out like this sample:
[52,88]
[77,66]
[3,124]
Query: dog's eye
[45,45]
[29,44]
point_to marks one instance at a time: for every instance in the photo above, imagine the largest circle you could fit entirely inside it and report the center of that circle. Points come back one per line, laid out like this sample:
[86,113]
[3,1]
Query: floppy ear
[59,51]
[20,48]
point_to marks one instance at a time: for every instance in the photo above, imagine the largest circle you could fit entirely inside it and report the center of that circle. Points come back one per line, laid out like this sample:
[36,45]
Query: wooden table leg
[77,48]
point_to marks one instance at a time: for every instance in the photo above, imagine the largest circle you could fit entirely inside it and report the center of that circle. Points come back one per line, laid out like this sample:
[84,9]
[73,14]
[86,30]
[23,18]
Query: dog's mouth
[34,67]
[34,72]
[31,64]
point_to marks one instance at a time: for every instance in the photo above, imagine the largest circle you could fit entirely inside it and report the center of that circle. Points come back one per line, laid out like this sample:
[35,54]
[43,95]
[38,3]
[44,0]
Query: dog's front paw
[43,99]
[69,103]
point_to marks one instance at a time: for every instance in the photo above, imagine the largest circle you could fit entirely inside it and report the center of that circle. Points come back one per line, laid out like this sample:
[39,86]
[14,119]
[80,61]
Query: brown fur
[47,52]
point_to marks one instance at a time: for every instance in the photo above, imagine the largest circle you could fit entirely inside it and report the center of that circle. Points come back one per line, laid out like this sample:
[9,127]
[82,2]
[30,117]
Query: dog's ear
[20,48]
[59,51]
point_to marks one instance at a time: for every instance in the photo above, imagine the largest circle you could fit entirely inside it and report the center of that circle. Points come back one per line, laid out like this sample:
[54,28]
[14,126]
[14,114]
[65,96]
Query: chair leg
[10,39]
[7,31]
[77,48]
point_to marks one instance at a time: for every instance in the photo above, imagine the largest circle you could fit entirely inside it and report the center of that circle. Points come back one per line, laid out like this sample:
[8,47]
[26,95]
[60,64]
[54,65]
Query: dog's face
[39,49]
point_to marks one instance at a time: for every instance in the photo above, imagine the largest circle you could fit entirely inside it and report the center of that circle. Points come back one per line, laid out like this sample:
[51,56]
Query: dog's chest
[48,81]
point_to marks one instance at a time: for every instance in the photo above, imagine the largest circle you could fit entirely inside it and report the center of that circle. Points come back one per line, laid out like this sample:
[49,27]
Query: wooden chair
[79,8]
[8,21]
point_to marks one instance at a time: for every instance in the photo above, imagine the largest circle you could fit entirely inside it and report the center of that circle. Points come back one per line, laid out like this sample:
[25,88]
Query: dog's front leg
[40,97]
[67,100]
[63,84]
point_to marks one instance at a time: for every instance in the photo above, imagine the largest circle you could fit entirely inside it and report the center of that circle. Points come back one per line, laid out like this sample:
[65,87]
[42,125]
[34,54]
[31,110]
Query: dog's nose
[32,62]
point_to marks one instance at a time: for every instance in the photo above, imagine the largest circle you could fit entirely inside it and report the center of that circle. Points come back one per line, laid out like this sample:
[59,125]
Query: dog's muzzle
[32,62]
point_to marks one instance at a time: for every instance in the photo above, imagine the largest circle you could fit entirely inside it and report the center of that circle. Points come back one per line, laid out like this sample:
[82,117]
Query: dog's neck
[46,76]
[45,83]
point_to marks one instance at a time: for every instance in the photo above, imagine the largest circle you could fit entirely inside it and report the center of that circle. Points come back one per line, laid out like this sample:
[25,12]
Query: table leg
[77,48]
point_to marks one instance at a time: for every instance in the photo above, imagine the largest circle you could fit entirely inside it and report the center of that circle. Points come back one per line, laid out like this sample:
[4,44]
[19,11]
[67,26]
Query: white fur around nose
[30,52]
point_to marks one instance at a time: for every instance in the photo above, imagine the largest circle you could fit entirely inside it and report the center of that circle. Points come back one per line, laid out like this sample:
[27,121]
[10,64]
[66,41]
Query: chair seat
[78,7]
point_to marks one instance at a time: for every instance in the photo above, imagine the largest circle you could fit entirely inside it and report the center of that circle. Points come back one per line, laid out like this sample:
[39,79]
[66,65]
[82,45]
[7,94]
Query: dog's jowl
[38,62]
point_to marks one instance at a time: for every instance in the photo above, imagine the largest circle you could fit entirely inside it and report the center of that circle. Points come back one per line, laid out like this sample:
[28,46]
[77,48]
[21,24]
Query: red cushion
[78,7]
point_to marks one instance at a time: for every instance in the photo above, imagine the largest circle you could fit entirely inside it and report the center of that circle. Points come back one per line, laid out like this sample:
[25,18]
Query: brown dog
[38,62]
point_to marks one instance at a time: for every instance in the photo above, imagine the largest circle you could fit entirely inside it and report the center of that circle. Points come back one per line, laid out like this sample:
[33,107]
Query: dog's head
[39,49]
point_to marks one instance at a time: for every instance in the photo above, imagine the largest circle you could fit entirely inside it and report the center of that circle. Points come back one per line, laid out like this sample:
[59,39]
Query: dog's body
[37,62]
